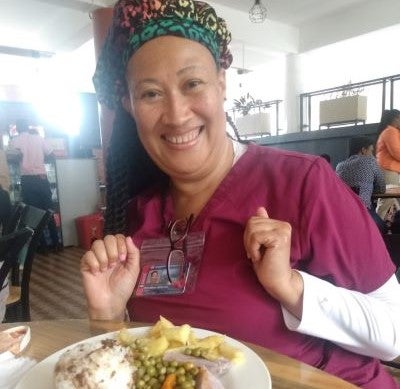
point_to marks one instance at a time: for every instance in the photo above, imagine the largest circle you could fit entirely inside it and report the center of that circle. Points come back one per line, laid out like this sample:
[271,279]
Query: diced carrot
[169,382]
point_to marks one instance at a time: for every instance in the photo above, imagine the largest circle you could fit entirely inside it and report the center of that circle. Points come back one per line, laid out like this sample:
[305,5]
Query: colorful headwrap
[135,22]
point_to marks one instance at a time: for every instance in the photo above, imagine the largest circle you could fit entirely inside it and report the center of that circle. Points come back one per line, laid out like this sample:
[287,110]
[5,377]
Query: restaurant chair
[16,214]
[10,247]
[18,305]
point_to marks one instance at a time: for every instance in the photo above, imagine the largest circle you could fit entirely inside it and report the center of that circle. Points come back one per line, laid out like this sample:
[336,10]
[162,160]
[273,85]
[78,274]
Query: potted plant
[348,106]
[251,124]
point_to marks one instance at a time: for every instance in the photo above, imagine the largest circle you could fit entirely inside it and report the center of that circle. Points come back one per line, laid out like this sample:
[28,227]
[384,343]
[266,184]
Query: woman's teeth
[184,138]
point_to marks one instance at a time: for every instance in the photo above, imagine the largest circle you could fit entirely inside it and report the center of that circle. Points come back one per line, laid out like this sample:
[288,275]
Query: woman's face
[176,96]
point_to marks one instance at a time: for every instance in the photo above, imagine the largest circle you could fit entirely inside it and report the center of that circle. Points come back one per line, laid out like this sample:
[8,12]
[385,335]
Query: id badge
[156,279]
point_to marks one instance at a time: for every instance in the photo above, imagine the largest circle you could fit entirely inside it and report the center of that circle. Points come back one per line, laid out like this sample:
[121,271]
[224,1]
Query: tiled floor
[56,288]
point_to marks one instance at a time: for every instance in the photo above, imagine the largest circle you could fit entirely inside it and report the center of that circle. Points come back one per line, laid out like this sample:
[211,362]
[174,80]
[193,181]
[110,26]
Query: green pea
[187,385]
[170,369]
[194,371]
[146,378]
[161,378]
[188,365]
[181,379]
[151,371]
[180,370]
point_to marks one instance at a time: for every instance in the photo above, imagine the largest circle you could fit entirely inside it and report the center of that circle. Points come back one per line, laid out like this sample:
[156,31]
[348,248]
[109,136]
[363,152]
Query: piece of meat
[206,380]
[218,367]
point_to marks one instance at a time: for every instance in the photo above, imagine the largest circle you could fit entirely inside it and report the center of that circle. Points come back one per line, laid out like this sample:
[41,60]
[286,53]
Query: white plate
[250,374]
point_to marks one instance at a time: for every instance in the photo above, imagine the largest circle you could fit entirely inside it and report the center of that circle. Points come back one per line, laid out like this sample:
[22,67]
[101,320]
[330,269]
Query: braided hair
[129,171]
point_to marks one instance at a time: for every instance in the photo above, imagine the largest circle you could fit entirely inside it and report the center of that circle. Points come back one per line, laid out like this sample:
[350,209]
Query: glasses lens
[178,230]
[176,265]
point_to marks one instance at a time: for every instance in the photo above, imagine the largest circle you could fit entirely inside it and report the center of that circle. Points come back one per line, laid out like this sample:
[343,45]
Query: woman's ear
[222,82]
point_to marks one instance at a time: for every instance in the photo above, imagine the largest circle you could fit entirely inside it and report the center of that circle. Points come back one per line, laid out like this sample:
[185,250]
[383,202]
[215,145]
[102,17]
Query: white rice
[100,365]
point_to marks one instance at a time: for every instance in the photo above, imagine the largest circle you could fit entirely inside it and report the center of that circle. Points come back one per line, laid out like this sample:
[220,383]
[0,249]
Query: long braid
[129,170]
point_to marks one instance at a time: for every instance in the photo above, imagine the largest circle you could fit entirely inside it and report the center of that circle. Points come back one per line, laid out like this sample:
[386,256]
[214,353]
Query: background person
[273,223]
[388,156]
[361,171]
[5,202]
[35,187]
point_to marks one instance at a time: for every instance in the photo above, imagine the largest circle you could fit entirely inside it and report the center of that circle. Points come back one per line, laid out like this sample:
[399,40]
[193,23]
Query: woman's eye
[194,84]
[148,95]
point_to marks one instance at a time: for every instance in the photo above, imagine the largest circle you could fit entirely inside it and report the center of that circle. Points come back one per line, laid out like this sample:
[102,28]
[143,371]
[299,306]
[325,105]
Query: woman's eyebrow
[190,68]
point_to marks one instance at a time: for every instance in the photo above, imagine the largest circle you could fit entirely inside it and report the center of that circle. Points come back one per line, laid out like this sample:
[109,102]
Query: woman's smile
[186,139]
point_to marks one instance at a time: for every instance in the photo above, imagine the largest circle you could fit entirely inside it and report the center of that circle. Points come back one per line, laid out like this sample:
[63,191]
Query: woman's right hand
[109,272]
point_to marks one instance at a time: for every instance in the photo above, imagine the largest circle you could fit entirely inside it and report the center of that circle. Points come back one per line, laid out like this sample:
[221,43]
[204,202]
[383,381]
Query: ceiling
[64,25]
[294,12]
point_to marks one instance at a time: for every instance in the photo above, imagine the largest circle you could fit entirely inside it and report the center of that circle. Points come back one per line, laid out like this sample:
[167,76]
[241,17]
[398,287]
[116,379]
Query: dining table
[49,336]
[390,193]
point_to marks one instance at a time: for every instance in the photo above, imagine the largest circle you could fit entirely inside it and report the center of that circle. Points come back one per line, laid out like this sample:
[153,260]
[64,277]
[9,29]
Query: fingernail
[122,257]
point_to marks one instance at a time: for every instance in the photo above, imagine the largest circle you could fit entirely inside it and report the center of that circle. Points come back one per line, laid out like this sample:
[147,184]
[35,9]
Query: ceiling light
[258,12]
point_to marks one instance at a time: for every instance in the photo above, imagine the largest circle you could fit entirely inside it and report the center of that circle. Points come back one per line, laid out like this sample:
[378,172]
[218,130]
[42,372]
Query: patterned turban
[135,22]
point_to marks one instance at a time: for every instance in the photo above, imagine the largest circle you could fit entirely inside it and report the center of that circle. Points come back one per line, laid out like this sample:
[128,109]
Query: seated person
[361,172]
[290,259]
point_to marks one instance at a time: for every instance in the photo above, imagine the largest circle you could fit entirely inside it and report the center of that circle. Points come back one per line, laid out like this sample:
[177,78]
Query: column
[292,93]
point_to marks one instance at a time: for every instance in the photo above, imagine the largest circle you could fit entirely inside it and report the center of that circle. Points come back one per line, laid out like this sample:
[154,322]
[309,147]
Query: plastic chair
[16,214]
[18,306]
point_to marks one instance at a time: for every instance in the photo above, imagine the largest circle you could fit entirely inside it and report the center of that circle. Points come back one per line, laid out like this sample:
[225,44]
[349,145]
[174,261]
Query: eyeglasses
[177,261]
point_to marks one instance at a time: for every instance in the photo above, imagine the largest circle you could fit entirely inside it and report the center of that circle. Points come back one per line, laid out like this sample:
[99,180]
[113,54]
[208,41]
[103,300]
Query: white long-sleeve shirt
[367,324]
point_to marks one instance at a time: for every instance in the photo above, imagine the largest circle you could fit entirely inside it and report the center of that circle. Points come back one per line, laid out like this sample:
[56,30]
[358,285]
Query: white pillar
[292,93]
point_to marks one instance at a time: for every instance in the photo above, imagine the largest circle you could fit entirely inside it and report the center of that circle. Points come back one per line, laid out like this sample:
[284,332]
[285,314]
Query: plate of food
[163,356]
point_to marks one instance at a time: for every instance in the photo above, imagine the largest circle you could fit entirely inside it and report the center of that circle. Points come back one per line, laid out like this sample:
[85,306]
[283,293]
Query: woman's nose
[176,110]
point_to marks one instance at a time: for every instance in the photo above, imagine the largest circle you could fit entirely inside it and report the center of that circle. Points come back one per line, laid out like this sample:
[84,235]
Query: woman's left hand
[267,243]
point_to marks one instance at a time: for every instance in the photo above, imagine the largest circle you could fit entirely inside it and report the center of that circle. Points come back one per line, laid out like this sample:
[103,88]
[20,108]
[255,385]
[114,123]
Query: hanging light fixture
[258,12]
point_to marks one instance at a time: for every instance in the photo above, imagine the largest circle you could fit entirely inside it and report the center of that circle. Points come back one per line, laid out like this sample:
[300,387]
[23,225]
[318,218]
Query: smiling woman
[177,103]
[163,69]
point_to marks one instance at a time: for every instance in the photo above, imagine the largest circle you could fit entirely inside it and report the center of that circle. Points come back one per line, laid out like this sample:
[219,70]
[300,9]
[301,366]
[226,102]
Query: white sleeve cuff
[367,324]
